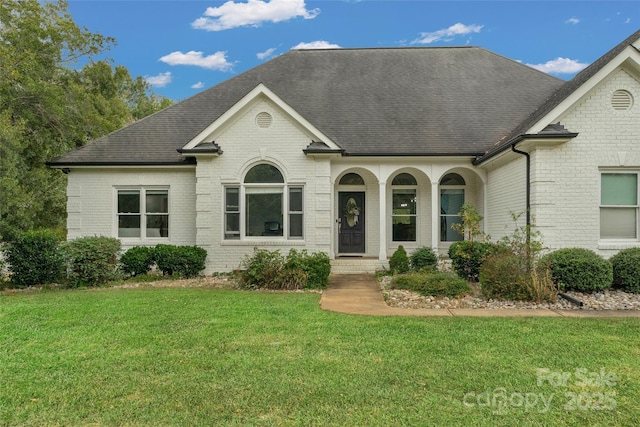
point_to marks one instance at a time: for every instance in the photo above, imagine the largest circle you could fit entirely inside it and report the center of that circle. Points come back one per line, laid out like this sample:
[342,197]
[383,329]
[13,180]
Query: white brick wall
[245,145]
[506,194]
[91,202]
[567,179]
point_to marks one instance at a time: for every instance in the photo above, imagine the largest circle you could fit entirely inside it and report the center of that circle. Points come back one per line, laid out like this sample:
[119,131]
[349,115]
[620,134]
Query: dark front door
[351,225]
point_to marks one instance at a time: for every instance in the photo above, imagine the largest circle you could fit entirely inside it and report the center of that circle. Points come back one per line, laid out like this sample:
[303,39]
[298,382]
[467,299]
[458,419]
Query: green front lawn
[180,356]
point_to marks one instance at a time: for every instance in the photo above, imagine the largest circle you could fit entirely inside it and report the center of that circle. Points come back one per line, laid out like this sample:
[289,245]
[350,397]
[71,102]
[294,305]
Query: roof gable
[260,91]
[624,55]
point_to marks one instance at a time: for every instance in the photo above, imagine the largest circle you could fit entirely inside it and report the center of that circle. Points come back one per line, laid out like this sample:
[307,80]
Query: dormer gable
[204,142]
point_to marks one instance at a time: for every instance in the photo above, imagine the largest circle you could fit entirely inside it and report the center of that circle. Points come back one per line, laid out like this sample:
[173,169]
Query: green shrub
[137,261]
[579,269]
[626,270]
[512,269]
[183,261]
[318,268]
[264,269]
[504,276]
[507,275]
[91,260]
[432,284]
[3,271]
[399,262]
[423,257]
[298,270]
[467,258]
[34,258]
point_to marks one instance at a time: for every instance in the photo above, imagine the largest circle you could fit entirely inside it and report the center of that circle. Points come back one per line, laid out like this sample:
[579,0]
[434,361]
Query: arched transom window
[403,209]
[264,205]
[351,179]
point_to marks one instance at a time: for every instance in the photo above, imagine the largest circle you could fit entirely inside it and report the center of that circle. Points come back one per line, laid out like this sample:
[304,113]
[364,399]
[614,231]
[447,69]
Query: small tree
[469,228]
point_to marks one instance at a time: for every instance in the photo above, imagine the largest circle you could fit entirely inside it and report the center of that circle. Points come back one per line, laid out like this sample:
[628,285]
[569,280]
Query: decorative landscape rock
[605,300]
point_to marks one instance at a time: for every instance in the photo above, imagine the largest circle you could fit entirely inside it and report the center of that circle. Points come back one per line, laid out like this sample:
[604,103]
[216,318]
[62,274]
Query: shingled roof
[370,102]
[560,95]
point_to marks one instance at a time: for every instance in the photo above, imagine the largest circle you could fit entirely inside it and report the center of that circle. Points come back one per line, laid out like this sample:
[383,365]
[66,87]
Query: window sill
[140,240]
[263,243]
[617,244]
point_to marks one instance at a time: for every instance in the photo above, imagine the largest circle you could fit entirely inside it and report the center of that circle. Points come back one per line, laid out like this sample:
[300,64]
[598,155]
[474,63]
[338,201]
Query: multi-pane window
[269,206]
[619,206]
[451,201]
[403,210]
[295,212]
[143,213]
[232,213]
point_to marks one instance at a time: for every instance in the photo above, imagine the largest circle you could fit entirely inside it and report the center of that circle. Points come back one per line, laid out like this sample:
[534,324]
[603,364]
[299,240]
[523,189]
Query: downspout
[528,192]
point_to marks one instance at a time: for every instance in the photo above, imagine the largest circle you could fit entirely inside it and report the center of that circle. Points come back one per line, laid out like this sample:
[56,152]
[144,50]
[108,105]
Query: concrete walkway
[361,294]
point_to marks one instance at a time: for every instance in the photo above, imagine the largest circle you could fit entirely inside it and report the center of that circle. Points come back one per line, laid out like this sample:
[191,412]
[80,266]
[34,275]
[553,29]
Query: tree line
[50,104]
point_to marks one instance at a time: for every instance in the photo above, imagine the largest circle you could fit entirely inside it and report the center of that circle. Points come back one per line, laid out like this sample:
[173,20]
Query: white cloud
[198,85]
[217,61]
[560,66]
[266,54]
[627,21]
[252,13]
[161,80]
[448,33]
[572,20]
[318,44]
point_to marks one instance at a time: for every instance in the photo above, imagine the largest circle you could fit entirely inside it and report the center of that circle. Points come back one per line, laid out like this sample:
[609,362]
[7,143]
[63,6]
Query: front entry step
[357,265]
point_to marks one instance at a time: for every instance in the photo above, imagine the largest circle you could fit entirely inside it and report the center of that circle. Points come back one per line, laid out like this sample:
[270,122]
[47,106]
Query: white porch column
[435,216]
[383,222]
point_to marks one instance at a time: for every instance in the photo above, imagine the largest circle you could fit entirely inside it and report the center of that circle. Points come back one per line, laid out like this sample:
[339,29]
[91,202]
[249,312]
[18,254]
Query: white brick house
[356,151]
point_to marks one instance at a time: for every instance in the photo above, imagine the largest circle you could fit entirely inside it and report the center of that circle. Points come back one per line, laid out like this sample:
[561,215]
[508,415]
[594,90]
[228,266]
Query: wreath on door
[351,212]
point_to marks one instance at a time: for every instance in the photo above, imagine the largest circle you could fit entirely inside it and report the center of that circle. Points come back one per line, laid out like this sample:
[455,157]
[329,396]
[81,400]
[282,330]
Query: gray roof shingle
[558,96]
[384,101]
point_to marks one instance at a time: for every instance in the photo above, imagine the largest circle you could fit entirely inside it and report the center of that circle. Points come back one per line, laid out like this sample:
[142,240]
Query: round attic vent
[263,120]
[621,100]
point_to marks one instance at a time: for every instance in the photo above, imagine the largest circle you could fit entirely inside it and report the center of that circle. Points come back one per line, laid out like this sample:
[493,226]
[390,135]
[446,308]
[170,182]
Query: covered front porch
[380,207]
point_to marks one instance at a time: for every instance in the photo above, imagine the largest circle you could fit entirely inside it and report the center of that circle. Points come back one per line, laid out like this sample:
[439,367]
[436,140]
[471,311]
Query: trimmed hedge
[137,261]
[579,269]
[34,259]
[184,261]
[626,270]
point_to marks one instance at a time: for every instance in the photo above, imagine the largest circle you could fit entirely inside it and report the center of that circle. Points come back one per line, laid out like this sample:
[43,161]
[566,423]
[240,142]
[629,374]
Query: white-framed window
[619,205]
[142,212]
[263,206]
[403,208]
[452,188]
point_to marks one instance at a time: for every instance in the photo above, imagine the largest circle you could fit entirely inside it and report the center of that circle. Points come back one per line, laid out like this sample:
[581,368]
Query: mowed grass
[179,356]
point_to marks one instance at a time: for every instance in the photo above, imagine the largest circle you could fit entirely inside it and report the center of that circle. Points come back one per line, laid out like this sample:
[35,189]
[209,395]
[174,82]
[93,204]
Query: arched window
[263,206]
[351,179]
[451,199]
[403,209]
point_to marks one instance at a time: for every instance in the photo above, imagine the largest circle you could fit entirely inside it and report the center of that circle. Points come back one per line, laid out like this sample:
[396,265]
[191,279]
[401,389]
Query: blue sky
[183,47]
